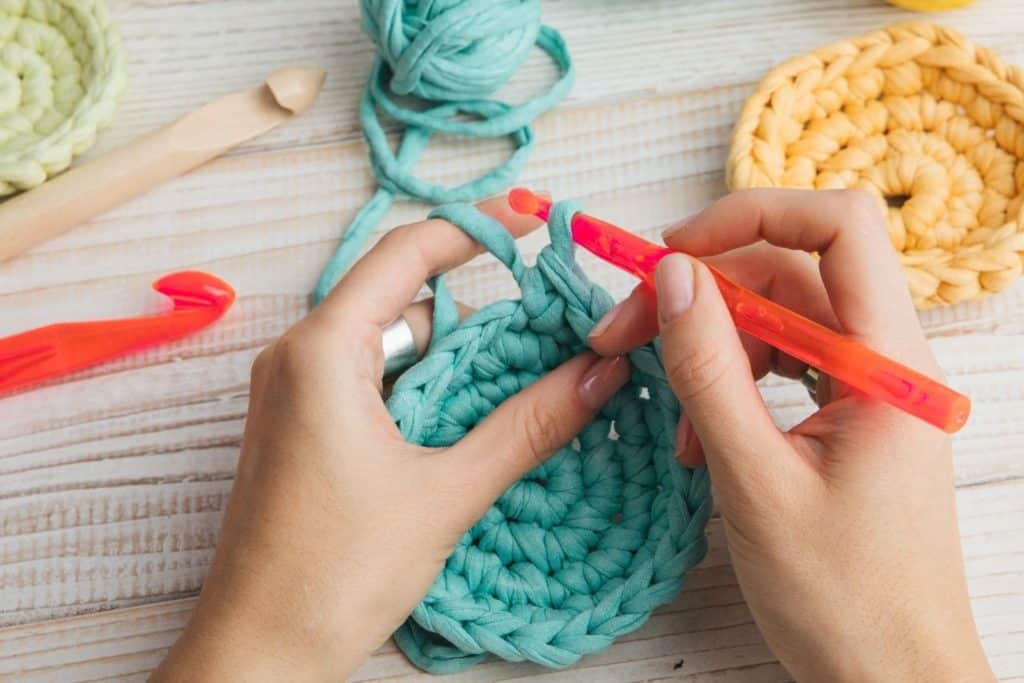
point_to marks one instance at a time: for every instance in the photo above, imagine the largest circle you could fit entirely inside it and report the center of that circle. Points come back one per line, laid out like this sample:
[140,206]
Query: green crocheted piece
[585,547]
[61,74]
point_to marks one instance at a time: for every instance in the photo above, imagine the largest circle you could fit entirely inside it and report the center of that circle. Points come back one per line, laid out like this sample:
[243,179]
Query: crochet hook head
[609,242]
[194,289]
[820,347]
[296,87]
[198,300]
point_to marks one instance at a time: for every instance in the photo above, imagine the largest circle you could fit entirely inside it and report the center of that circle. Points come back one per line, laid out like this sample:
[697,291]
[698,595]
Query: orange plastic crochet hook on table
[830,352]
[199,300]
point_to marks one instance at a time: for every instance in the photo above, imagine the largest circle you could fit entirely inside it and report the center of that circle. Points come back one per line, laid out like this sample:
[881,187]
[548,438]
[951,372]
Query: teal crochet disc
[61,74]
[585,547]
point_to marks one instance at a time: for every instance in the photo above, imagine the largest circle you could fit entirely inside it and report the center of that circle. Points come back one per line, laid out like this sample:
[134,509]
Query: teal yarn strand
[585,547]
[451,54]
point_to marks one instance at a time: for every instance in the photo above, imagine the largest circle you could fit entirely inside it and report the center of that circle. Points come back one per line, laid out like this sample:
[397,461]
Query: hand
[336,526]
[843,530]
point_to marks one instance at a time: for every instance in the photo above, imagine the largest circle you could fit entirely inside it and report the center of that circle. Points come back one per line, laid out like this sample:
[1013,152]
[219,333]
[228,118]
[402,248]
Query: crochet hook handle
[199,300]
[844,359]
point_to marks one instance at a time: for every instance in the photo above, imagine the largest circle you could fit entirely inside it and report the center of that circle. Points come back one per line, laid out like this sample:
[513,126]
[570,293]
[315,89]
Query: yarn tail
[352,242]
[448,112]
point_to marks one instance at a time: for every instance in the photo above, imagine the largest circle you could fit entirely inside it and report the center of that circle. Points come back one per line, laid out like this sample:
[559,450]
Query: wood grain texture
[708,627]
[112,482]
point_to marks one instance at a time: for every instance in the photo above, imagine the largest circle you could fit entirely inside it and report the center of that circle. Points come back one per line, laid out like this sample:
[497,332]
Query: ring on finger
[399,348]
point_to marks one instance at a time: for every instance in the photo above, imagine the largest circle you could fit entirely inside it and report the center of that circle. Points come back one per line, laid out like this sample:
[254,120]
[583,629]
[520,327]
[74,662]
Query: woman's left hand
[337,527]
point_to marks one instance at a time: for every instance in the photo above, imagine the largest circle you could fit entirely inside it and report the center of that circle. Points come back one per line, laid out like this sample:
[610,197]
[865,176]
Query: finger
[791,279]
[860,270]
[631,323]
[531,426]
[709,372]
[386,280]
[788,277]
[260,372]
[420,317]
[689,452]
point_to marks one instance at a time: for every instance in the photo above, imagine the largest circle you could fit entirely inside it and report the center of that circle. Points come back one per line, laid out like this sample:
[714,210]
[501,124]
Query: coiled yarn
[930,124]
[583,548]
[452,54]
[61,73]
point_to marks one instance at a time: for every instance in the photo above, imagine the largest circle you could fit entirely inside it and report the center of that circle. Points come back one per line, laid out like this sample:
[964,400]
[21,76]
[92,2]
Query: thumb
[531,426]
[708,369]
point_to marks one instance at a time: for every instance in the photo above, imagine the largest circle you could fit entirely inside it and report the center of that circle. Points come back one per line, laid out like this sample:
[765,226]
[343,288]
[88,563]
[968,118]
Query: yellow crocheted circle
[930,124]
[61,73]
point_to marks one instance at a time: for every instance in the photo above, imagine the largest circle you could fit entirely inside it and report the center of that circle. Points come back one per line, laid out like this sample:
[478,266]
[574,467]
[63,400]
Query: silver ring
[399,347]
[810,381]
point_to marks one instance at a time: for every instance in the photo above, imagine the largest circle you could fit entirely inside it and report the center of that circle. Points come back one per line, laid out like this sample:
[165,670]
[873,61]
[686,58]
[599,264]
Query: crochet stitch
[583,548]
[453,54]
[928,123]
[61,73]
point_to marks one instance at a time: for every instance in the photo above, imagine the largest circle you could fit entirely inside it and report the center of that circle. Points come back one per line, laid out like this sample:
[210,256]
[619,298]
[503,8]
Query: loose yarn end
[452,55]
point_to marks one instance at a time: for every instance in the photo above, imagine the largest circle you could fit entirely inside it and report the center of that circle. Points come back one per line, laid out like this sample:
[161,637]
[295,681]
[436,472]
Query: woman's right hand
[843,530]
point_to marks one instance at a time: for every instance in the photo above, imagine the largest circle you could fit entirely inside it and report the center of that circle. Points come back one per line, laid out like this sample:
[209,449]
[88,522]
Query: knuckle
[396,236]
[792,260]
[753,195]
[410,241]
[262,362]
[694,372]
[858,209]
[291,357]
[541,431]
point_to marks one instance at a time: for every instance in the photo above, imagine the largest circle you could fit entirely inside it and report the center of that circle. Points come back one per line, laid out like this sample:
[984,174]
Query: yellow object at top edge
[931,5]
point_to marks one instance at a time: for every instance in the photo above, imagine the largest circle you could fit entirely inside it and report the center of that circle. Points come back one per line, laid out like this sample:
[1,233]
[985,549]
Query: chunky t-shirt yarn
[583,548]
[448,56]
[928,123]
[61,74]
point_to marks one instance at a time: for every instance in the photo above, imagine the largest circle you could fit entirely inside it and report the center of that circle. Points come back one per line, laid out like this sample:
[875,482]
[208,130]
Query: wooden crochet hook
[94,187]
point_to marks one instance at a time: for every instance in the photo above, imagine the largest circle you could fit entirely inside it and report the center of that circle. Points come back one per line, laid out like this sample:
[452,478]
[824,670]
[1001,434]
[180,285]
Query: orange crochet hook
[29,357]
[830,352]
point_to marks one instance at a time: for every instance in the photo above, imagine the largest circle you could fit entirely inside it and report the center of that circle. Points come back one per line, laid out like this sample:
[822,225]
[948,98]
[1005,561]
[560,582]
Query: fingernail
[603,379]
[682,436]
[604,323]
[678,227]
[674,280]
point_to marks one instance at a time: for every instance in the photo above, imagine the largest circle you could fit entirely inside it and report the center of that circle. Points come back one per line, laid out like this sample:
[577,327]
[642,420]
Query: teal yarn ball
[450,55]
[585,547]
[451,50]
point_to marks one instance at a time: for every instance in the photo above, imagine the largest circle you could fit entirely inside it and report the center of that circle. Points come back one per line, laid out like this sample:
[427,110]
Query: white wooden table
[112,483]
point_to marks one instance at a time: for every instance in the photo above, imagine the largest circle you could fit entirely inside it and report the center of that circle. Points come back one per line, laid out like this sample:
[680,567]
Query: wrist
[255,641]
[218,650]
[956,659]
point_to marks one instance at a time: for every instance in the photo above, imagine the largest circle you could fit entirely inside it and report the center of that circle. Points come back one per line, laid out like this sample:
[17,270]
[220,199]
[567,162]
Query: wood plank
[84,460]
[708,627]
[113,481]
[185,53]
